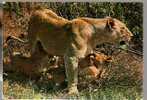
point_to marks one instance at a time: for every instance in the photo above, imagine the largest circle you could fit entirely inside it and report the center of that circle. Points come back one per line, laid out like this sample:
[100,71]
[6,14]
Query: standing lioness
[73,39]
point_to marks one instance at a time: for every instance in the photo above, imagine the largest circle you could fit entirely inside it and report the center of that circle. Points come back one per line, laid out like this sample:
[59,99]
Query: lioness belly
[55,45]
[55,48]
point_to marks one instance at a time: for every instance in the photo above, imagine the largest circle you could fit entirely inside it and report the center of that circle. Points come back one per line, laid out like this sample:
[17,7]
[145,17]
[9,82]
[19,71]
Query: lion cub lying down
[92,66]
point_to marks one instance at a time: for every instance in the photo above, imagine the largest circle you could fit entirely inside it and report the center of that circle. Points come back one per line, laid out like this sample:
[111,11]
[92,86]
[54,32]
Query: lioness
[73,39]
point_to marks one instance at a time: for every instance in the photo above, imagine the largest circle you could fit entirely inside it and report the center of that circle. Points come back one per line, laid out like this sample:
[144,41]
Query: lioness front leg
[71,66]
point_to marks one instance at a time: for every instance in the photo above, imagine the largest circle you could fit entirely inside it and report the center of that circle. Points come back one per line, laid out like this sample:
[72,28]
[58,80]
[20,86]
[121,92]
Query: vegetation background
[125,79]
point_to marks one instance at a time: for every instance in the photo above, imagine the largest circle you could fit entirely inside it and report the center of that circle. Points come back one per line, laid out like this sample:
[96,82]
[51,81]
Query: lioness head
[118,30]
[112,30]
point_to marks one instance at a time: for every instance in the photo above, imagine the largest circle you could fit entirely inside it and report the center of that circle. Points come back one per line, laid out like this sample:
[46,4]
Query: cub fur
[93,65]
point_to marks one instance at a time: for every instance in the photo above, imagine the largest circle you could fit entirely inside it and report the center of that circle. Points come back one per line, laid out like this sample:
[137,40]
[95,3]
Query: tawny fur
[93,65]
[73,39]
[57,34]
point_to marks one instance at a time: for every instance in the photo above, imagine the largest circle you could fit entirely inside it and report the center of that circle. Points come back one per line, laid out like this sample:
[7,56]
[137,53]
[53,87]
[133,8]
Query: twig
[16,38]
[132,51]
[128,50]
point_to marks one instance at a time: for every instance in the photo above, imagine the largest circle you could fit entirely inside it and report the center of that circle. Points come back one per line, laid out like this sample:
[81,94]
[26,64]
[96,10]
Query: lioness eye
[123,27]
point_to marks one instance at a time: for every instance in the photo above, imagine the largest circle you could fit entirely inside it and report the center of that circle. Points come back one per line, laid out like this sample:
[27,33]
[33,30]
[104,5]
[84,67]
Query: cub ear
[110,23]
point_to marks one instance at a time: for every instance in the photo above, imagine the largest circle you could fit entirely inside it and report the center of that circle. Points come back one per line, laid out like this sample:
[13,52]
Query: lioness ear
[110,24]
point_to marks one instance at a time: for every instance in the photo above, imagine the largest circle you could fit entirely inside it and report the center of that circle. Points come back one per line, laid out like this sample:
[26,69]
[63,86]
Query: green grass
[30,90]
[112,93]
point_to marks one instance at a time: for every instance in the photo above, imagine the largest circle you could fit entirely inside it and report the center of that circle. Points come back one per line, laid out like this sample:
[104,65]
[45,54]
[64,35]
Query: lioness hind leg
[39,53]
[71,66]
[32,37]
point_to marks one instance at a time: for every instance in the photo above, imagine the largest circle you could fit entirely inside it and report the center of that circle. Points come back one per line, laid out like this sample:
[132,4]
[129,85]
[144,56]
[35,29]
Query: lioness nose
[122,42]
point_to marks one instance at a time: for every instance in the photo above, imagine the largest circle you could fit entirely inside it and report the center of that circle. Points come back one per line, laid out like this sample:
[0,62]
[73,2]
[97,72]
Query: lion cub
[91,67]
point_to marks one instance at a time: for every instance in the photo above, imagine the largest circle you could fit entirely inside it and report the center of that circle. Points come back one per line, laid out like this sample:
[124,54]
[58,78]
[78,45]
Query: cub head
[94,59]
[100,58]
[117,30]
